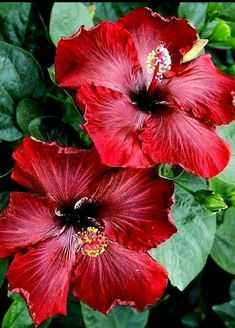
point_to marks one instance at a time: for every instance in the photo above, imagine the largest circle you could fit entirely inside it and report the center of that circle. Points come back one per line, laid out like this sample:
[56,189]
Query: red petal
[118,277]
[148,29]
[113,123]
[201,88]
[104,55]
[43,275]
[63,174]
[136,210]
[26,221]
[175,138]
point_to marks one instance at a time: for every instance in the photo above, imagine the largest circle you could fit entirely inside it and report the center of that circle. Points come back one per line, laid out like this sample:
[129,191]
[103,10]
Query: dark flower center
[146,102]
[81,215]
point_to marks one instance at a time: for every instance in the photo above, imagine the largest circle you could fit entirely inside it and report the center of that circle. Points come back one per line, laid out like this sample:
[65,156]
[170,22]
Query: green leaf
[46,323]
[69,112]
[119,317]
[4,198]
[26,111]
[226,311]
[192,182]
[221,32]
[52,129]
[227,132]
[194,239]
[227,11]
[213,9]
[226,190]
[208,28]
[3,269]
[20,77]
[232,289]
[231,70]
[113,10]
[169,172]
[73,319]
[14,19]
[66,18]
[21,25]
[17,316]
[224,247]
[51,71]
[194,11]
[191,320]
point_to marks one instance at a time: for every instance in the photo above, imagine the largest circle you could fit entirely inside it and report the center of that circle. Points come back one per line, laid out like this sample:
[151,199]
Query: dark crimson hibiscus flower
[86,227]
[142,104]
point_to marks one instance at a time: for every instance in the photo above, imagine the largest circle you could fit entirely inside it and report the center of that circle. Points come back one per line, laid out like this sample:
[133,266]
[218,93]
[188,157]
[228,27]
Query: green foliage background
[200,258]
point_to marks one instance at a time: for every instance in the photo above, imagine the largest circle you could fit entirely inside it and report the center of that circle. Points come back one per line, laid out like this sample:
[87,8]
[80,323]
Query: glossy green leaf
[227,44]
[209,27]
[226,311]
[3,269]
[232,289]
[20,77]
[231,70]
[119,317]
[68,111]
[14,19]
[227,11]
[227,132]
[46,323]
[51,72]
[26,111]
[213,9]
[113,10]
[226,190]
[194,239]
[194,11]
[191,320]
[221,32]
[21,25]
[53,129]
[73,319]
[224,246]
[66,18]
[17,315]
[193,182]
[169,172]
[4,198]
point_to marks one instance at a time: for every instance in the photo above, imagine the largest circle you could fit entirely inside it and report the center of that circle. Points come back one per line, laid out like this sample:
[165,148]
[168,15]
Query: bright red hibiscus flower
[86,227]
[142,105]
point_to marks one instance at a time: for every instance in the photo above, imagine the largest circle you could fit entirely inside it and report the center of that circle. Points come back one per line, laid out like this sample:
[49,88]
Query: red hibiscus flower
[142,105]
[86,227]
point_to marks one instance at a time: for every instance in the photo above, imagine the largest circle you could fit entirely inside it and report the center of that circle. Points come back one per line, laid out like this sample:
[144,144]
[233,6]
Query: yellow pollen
[93,242]
[158,61]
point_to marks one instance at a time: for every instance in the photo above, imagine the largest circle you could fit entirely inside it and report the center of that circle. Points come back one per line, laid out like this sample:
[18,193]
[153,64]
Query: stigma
[93,242]
[158,61]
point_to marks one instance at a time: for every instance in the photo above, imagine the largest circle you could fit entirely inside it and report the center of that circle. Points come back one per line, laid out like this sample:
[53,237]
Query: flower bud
[210,200]
[229,196]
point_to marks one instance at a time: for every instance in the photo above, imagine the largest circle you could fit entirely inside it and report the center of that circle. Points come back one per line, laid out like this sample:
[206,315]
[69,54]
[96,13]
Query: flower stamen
[93,242]
[158,61]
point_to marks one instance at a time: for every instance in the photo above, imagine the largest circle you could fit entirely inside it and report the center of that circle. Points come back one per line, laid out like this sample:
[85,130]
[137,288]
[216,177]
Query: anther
[158,61]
